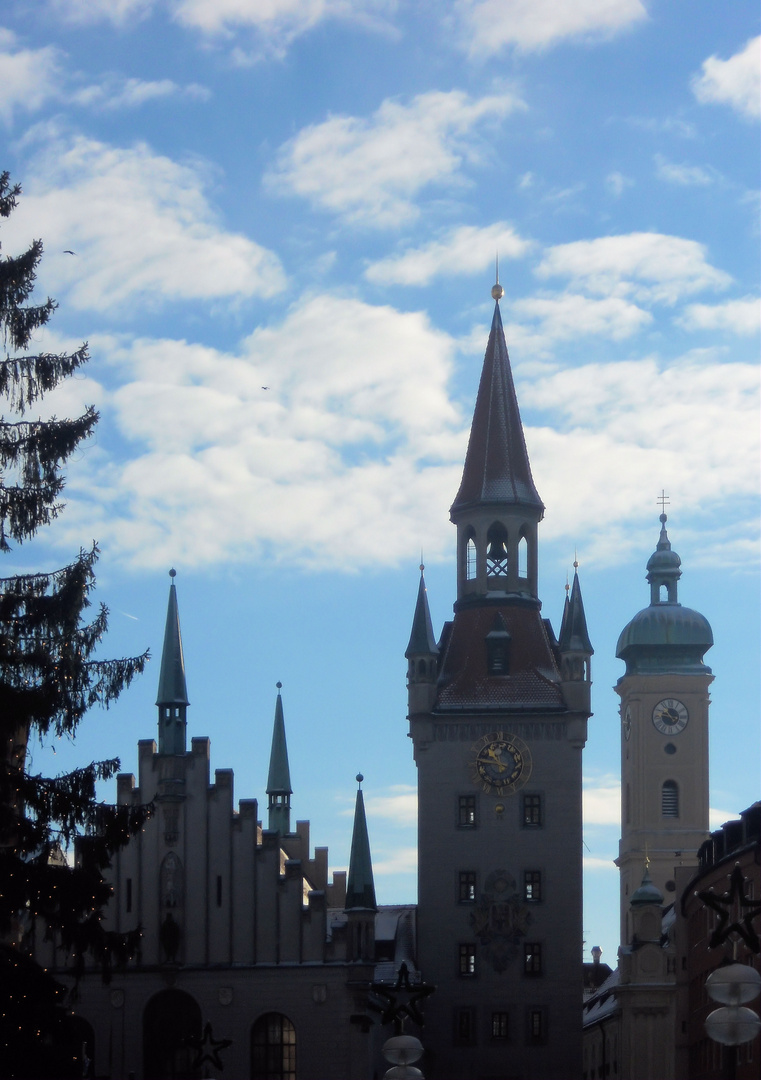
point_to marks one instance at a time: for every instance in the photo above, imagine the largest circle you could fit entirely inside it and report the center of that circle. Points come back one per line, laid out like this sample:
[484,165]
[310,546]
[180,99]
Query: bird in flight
[66,251]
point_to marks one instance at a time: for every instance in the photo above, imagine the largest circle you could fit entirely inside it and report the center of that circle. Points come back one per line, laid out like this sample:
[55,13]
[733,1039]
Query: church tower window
[470,559]
[670,799]
[523,557]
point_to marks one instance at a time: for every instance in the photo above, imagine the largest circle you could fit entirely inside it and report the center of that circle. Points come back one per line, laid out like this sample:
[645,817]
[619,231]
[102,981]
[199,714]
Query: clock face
[627,722]
[670,716]
[502,763]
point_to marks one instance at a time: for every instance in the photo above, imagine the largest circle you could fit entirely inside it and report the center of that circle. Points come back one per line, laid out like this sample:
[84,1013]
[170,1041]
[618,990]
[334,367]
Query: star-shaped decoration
[400,1001]
[208,1049]
[724,905]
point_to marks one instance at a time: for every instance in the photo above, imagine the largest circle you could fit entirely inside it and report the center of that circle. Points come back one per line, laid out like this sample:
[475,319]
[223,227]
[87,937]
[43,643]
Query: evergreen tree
[49,677]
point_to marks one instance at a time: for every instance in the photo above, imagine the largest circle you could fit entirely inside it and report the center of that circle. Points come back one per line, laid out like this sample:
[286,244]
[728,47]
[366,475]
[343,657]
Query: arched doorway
[171,1018]
[273,1048]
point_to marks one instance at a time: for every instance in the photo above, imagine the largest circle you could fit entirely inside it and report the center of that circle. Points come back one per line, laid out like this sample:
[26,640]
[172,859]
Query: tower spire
[360,887]
[172,699]
[279,788]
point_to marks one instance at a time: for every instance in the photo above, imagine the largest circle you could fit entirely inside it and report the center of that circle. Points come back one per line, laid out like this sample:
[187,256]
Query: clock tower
[498,713]
[664,734]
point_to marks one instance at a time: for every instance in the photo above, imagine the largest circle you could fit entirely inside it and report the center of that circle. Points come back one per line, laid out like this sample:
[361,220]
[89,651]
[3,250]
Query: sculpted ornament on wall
[500,920]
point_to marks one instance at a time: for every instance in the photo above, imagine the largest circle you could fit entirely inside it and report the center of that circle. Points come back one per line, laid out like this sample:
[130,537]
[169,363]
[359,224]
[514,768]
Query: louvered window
[670,799]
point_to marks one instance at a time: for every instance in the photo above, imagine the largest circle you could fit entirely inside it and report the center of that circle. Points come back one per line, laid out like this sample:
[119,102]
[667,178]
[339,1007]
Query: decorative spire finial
[173,573]
[279,686]
[497,291]
[663,499]
[575,559]
[359,778]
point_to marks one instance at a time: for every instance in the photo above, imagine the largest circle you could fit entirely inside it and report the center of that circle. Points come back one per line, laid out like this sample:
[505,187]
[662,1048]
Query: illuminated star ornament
[726,904]
[400,1001]
[208,1049]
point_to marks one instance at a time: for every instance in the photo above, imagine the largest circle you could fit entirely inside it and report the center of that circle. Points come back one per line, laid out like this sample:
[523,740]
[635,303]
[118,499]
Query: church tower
[279,788]
[498,714]
[664,734]
[172,700]
[360,904]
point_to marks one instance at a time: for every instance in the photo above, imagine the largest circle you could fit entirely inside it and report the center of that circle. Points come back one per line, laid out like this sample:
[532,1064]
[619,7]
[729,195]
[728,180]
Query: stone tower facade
[498,713]
[664,734]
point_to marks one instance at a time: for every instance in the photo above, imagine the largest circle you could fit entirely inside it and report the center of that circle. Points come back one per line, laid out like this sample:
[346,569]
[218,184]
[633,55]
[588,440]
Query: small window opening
[663,593]
[466,811]
[466,893]
[670,799]
[467,960]
[496,552]
[499,1027]
[128,900]
[470,559]
[523,557]
[532,885]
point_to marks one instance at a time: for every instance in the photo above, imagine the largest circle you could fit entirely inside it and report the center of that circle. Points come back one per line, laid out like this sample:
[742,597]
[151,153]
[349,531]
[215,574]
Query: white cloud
[684,175]
[646,266]
[116,92]
[369,171]
[141,226]
[28,77]
[735,82]
[601,801]
[464,250]
[399,807]
[118,12]
[403,860]
[571,315]
[738,316]
[488,26]
[356,436]
[717,818]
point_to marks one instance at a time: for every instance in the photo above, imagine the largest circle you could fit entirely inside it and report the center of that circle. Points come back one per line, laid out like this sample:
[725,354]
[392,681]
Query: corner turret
[279,788]
[422,655]
[575,650]
[172,699]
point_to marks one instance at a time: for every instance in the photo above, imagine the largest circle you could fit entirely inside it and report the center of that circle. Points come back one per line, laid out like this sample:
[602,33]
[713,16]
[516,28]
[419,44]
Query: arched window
[523,557]
[670,799]
[273,1048]
[470,559]
[496,552]
[171,1023]
[663,593]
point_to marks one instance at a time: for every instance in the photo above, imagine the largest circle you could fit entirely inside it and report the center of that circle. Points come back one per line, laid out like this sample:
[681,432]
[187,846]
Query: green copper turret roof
[422,640]
[279,778]
[647,893]
[574,636]
[497,468]
[360,887]
[665,637]
[172,687]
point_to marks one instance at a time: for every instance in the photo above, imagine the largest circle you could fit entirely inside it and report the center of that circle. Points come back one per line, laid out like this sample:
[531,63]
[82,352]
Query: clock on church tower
[498,713]
[664,733]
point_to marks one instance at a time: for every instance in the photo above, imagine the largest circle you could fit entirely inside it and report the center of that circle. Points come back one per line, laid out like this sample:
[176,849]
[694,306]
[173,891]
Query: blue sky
[309,197]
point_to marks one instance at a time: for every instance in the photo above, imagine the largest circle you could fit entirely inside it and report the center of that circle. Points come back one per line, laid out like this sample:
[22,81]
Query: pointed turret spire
[574,637]
[422,640]
[279,787]
[497,468]
[172,699]
[360,887]
[663,569]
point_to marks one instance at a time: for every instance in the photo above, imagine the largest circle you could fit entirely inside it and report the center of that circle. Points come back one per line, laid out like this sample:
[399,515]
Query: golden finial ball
[497,291]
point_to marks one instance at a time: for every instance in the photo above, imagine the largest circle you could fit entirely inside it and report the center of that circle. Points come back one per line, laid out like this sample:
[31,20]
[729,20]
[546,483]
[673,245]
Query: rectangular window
[128,901]
[532,958]
[466,814]
[532,885]
[464,1028]
[467,957]
[219,890]
[532,810]
[466,891]
[499,1025]
[536,1025]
